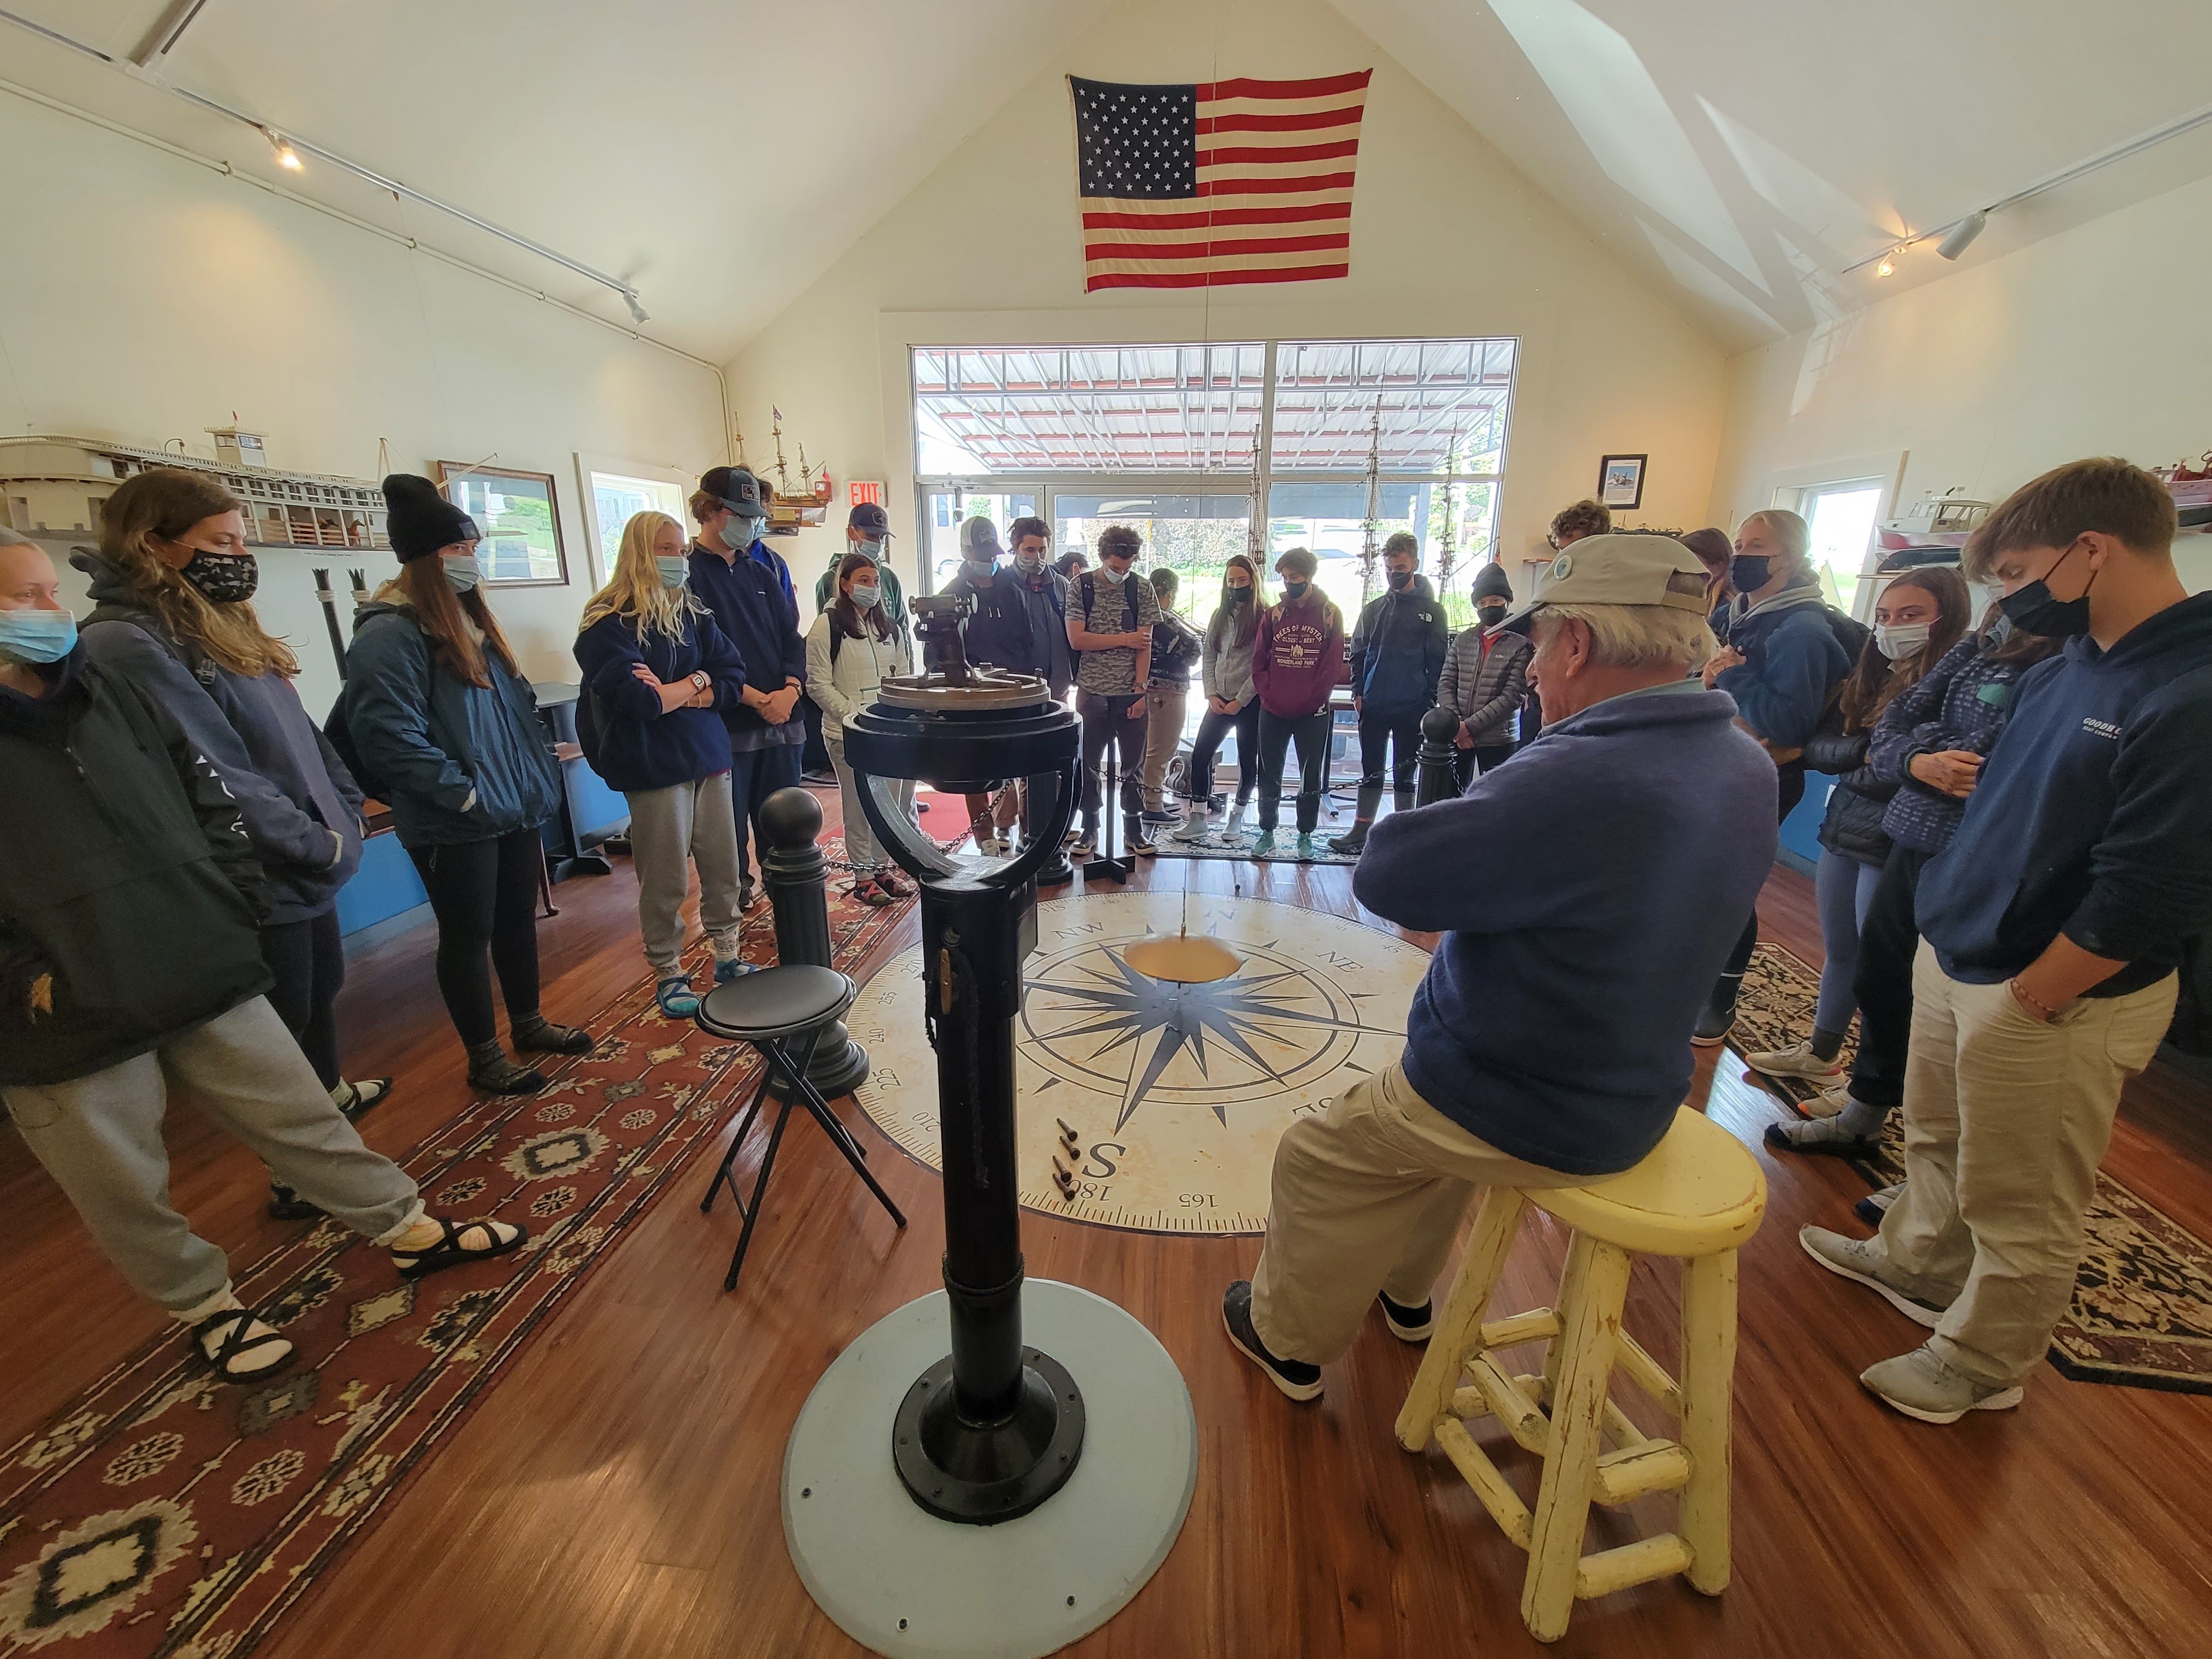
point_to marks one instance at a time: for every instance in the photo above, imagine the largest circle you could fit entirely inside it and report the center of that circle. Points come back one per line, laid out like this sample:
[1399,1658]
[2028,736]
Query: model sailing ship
[791,510]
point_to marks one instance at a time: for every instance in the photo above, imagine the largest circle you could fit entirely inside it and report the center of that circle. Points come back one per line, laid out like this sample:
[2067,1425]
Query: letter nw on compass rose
[1155,1020]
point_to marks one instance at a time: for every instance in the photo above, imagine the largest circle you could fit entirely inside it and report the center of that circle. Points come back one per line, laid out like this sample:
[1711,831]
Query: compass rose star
[1124,1008]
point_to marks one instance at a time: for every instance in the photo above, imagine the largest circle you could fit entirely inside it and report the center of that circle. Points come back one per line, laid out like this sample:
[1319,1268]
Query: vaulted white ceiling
[720,157]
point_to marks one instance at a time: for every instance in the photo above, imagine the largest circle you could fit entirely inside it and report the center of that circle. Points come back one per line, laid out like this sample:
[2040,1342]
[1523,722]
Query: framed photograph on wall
[1620,481]
[519,520]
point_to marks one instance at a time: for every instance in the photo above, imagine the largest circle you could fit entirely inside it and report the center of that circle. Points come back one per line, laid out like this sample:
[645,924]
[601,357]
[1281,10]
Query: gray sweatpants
[99,1137]
[670,830]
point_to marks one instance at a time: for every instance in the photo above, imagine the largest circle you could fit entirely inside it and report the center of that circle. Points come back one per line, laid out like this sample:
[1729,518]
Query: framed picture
[519,520]
[1621,480]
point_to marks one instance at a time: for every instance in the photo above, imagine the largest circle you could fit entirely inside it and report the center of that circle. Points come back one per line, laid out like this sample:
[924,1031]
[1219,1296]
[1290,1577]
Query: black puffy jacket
[1852,826]
[130,899]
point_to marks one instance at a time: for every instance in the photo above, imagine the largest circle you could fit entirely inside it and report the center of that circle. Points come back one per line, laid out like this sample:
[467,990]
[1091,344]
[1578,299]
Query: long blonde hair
[167,501]
[635,589]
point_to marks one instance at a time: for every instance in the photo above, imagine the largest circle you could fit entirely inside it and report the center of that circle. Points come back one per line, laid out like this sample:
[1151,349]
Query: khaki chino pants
[1368,1197]
[2006,1120]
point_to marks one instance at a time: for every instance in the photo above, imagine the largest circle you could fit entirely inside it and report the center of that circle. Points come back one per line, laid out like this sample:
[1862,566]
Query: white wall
[143,297]
[1447,239]
[2091,342]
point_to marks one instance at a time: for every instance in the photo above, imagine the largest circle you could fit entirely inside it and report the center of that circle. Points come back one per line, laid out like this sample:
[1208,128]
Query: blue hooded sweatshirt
[1625,847]
[751,600]
[1792,660]
[643,746]
[2093,815]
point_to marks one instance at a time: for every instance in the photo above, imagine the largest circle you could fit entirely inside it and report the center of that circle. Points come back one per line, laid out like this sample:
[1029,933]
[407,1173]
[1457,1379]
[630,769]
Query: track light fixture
[1886,268]
[1962,235]
[287,157]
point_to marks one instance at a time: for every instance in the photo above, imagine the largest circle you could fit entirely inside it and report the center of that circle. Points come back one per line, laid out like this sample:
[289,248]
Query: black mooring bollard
[796,877]
[1433,781]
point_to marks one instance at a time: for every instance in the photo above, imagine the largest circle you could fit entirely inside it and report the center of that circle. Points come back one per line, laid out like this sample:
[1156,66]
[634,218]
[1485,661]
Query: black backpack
[340,737]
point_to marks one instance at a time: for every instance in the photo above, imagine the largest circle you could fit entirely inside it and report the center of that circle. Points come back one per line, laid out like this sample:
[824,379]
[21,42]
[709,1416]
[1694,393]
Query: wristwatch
[699,680]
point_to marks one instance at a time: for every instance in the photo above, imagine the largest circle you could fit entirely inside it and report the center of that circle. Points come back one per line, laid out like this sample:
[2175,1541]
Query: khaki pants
[2006,1120]
[1163,714]
[1367,1197]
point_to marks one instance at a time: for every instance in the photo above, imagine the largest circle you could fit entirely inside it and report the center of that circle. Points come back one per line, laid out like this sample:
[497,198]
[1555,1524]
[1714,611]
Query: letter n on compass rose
[1118,1009]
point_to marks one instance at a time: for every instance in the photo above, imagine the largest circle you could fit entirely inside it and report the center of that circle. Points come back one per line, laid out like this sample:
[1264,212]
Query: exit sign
[866,494]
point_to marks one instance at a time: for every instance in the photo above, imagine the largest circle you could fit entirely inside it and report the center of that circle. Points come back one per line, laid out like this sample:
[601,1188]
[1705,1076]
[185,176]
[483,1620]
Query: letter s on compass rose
[1272,1018]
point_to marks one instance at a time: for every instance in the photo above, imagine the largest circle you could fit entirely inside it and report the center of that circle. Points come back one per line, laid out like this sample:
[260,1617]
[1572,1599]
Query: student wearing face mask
[657,668]
[437,708]
[999,631]
[130,964]
[1917,619]
[173,586]
[1177,649]
[1110,616]
[1485,680]
[2051,928]
[867,533]
[1231,702]
[850,650]
[1783,653]
[1297,659]
[1397,653]
[747,586]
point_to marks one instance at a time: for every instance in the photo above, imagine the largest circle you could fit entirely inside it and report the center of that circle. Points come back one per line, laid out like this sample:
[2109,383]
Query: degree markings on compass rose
[1124,1007]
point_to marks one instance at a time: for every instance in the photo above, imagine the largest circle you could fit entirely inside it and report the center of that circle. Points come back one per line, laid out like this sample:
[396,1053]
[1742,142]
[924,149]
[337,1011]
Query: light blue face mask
[867,598]
[36,636]
[674,569]
[463,573]
[981,570]
[1114,576]
[873,549]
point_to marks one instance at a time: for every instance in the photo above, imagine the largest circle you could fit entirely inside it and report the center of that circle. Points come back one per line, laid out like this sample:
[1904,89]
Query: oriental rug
[160,1515]
[2141,1314]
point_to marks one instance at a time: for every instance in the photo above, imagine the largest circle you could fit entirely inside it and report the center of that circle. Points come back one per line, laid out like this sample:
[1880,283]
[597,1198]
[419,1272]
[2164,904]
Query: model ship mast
[1255,537]
[1447,555]
[1370,548]
[789,510]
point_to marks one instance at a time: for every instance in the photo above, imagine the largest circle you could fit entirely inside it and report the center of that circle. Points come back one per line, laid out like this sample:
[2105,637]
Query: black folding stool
[781,1012]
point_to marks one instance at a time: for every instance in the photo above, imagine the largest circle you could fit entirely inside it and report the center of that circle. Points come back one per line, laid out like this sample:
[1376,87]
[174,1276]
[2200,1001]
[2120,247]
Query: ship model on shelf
[791,510]
[2190,486]
[1931,530]
[57,484]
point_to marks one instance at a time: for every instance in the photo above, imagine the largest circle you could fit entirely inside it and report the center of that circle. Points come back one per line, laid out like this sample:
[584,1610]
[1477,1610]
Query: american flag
[1225,181]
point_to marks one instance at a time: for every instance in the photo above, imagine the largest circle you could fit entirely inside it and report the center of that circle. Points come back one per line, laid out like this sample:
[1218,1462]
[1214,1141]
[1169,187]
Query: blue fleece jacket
[1791,659]
[751,600]
[2093,815]
[1398,650]
[643,746]
[1959,704]
[1554,1022]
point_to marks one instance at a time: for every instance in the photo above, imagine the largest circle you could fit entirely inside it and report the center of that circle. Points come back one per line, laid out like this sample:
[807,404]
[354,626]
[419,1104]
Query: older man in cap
[747,586]
[1549,1044]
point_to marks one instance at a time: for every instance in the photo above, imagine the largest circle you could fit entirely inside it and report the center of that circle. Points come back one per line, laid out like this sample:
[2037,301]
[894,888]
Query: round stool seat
[776,1002]
[1698,1193]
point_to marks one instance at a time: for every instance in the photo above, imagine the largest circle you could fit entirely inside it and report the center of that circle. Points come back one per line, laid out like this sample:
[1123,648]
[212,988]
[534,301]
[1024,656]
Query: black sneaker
[1161,815]
[1719,1017]
[1407,1324]
[285,1205]
[1293,1377]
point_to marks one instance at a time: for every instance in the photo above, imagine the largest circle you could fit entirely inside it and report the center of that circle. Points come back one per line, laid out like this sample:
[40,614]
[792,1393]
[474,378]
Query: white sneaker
[1797,1061]
[1829,1102]
[990,846]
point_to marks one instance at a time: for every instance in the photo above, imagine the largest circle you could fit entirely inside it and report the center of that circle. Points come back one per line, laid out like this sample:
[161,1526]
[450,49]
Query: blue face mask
[36,636]
[740,533]
[867,597]
[981,570]
[463,573]
[874,548]
[674,570]
[1113,575]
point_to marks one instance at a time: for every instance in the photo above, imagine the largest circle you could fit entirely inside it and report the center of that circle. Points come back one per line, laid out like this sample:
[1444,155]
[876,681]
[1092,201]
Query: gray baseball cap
[1619,570]
[979,539]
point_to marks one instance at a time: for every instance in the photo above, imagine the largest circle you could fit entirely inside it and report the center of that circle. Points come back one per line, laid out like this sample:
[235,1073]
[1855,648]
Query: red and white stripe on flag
[1275,161]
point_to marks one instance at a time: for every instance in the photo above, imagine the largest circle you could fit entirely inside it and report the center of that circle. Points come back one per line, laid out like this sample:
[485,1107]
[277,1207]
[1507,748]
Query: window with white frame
[617,498]
[1841,518]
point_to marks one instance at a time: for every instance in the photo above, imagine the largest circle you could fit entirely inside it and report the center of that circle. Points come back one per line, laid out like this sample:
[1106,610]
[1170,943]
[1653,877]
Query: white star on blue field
[1129,1007]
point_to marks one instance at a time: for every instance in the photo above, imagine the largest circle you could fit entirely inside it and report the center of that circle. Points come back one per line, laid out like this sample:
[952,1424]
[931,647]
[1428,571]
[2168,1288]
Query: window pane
[1189,408]
[950,508]
[1416,403]
[617,499]
[1842,523]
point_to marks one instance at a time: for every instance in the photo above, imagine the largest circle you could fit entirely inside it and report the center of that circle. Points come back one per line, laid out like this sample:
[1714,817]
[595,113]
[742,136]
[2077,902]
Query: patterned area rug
[2141,1314]
[162,1516]
[1220,846]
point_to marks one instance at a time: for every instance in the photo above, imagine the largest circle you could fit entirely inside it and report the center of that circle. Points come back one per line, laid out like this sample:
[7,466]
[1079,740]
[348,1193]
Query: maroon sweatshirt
[1298,657]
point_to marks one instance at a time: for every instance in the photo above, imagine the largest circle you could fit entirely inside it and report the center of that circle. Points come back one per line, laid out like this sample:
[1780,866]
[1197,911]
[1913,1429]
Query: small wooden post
[1588,1328]
[1708,1371]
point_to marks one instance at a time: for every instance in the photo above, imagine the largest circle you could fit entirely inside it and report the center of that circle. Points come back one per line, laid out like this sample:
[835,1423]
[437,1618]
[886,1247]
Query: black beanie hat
[419,521]
[1490,582]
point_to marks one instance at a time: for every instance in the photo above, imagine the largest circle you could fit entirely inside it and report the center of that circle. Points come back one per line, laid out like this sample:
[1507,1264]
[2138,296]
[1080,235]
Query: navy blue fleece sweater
[1625,845]
[2093,815]
[752,601]
[1791,659]
[643,746]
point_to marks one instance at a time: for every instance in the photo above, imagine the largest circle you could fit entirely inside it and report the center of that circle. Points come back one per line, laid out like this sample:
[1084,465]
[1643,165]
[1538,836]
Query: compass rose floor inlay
[1177,1093]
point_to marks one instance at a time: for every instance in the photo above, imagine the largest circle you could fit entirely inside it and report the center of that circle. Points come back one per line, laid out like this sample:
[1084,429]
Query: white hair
[1635,635]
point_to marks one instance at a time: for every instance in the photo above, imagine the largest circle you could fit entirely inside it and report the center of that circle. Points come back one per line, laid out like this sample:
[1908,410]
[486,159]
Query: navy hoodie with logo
[2093,815]
[1554,1021]
[1398,650]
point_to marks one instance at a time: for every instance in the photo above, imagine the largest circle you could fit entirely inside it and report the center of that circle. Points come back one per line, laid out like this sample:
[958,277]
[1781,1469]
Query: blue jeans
[755,775]
[1842,888]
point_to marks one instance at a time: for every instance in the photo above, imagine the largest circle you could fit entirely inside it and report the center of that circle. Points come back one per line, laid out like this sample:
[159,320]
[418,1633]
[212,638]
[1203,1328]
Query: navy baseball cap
[869,518]
[736,488]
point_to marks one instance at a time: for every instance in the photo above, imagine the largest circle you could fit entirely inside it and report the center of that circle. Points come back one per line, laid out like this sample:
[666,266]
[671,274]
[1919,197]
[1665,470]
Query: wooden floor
[617,1493]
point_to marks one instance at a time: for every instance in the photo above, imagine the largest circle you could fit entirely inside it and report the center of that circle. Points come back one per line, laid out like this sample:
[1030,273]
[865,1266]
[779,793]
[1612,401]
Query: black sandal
[236,1345]
[364,1096]
[450,1252]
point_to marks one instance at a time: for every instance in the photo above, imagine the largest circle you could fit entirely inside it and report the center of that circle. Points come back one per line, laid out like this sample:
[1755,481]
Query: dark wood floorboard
[617,1493]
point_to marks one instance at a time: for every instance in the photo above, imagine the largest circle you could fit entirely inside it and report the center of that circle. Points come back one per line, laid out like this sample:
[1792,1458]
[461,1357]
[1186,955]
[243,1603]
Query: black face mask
[2033,611]
[1240,596]
[1400,580]
[1750,572]
[1491,614]
[225,578]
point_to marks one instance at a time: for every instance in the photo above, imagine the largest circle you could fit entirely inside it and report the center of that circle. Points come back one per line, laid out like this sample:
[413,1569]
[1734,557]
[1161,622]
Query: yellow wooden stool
[1699,1196]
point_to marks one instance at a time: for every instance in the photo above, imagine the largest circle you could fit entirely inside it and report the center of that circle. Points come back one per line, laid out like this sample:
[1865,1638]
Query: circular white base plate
[901,1582]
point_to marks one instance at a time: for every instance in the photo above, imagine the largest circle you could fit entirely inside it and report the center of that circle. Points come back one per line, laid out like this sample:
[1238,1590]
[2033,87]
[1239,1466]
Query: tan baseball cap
[1619,570]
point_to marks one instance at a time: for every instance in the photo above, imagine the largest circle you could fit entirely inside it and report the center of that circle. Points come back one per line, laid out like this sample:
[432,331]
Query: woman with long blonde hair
[438,710]
[173,582]
[656,670]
